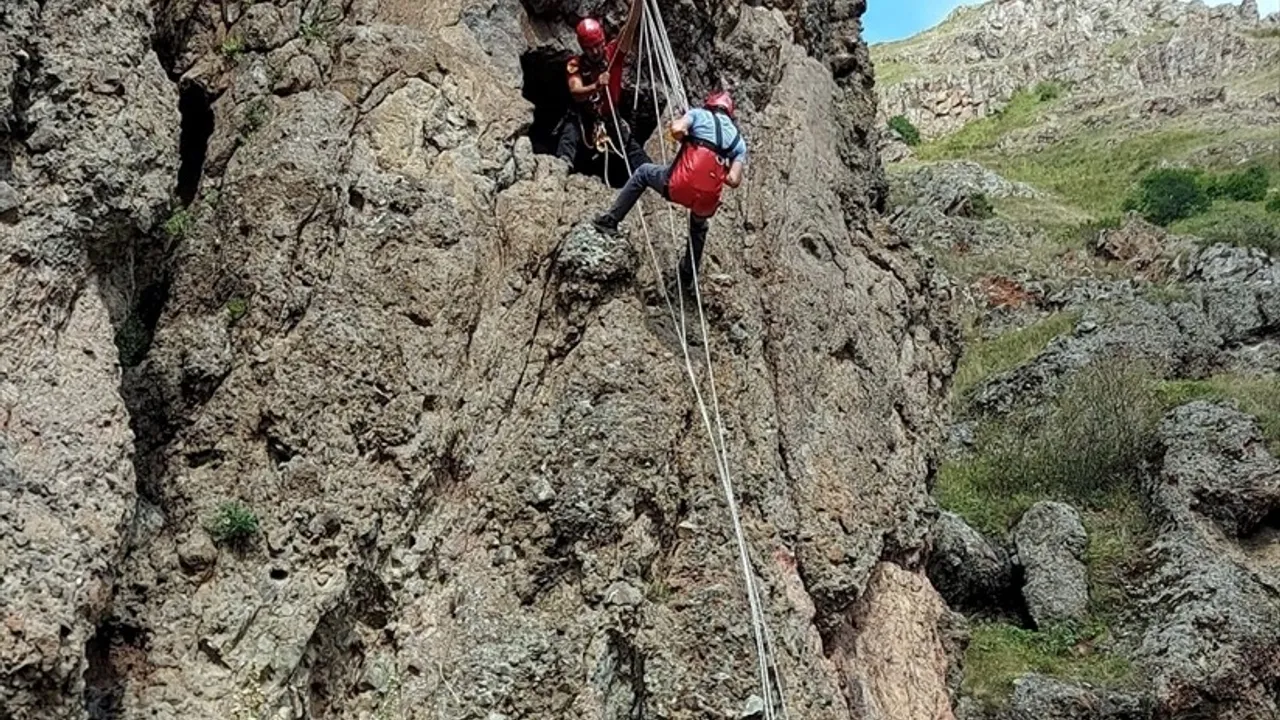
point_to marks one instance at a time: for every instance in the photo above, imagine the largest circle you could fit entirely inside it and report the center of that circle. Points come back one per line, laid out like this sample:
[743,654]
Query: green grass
[983,359]
[892,72]
[998,653]
[1023,110]
[1244,224]
[1257,395]
[232,47]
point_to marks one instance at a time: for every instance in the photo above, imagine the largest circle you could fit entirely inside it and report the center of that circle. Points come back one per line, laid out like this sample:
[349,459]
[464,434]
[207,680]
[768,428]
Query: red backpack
[698,172]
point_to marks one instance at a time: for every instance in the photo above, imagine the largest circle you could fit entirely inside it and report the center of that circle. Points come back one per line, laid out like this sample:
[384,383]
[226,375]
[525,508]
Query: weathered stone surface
[1037,697]
[896,665]
[1216,464]
[1211,642]
[480,492]
[88,132]
[1051,542]
[968,570]
[971,65]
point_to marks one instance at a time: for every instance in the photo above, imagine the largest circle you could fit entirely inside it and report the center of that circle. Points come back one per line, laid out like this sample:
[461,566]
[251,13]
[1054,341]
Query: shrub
[1246,186]
[233,524]
[1273,205]
[1169,194]
[1245,231]
[1047,91]
[905,129]
[236,308]
[179,224]
[980,207]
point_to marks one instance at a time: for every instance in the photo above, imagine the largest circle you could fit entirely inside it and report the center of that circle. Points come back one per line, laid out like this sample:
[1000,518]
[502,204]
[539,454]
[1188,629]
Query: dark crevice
[113,651]
[196,108]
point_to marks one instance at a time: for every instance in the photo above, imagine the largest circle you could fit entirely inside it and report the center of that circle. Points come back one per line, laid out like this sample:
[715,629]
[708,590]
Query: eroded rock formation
[481,486]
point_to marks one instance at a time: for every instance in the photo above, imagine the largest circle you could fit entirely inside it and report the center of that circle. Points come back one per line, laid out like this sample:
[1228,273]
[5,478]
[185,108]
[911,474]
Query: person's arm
[734,178]
[680,127]
[581,91]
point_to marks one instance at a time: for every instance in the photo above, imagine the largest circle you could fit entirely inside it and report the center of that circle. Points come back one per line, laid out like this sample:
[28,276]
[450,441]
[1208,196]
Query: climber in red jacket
[712,154]
[595,86]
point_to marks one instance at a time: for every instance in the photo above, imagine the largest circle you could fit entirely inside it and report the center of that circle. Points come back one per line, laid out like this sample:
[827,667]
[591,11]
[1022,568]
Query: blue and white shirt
[702,125]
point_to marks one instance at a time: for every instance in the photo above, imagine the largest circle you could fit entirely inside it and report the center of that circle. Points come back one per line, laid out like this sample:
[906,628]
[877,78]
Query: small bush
[1047,91]
[233,524]
[179,224]
[1169,194]
[232,47]
[1246,186]
[905,129]
[980,207]
[236,308]
[1245,231]
[255,116]
[1273,204]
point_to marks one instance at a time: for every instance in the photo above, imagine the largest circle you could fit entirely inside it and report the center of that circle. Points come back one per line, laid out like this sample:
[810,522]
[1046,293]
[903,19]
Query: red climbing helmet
[720,99]
[590,33]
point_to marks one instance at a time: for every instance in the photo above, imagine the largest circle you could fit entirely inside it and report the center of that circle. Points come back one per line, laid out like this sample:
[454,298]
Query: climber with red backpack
[712,154]
[595,88]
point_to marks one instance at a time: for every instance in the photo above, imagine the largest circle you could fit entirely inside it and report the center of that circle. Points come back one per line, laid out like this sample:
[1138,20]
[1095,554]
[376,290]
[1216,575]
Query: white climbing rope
[654,40]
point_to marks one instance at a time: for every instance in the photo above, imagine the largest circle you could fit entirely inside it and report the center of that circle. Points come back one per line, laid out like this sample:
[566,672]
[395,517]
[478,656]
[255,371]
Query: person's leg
[646,176]
[635,152]
[697,238]
[570,139]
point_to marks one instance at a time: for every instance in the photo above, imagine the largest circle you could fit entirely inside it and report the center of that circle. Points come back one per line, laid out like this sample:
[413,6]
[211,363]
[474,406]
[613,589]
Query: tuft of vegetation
[892,72]
[179,224]
[983,359]
[232,47]
[255,116]
[998,653]
[980,207]
[1273,204]
[1047,91]
[233,524]
[236,308]
[1257,395]
[1087,449]
[1243,224]
[1245,186]
[905,129]
[1169,194]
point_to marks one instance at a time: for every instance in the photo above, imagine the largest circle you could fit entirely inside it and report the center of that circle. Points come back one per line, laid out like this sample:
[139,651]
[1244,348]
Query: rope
[657,43]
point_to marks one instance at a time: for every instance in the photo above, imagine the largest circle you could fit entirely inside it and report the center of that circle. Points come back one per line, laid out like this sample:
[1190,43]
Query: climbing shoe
[605,224]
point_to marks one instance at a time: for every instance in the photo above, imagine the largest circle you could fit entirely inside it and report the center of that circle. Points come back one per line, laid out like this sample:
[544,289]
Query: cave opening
[546,87]
[196,108]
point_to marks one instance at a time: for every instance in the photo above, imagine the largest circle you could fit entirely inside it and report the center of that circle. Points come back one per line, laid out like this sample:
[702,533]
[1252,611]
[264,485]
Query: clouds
[887,20]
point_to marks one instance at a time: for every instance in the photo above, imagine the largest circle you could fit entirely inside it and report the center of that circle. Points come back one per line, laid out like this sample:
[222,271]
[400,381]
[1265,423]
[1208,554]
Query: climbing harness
[655,45]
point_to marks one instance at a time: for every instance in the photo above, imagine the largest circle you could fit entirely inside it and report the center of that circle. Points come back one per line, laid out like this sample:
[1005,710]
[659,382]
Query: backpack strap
[718,147]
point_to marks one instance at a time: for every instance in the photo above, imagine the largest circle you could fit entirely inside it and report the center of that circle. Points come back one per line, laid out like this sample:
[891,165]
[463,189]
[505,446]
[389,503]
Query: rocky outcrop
[1037,697]
[1233,305]
[1051,543]
[968,570]
[88,141]
[972,64]
[460,419]
[1212,633]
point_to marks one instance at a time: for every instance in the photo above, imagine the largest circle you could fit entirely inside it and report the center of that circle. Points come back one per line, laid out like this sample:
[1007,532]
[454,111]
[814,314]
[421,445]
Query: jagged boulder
[1038,697]
[969,571]
[1051,542]
[1216,464]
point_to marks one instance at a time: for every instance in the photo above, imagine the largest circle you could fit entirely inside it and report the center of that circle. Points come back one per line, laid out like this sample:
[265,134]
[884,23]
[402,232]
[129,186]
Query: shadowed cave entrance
[546,86]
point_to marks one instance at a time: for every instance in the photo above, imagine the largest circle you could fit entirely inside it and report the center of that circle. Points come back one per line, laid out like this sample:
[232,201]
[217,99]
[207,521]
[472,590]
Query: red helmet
[590,33]
[720,99]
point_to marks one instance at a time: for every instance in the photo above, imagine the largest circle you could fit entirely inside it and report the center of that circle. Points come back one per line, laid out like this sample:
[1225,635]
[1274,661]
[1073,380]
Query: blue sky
[897,19]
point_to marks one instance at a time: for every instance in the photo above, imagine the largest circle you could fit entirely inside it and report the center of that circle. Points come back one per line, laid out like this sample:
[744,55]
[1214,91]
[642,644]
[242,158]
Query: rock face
[1036,697]
[1051,542]
[1212,642]
[460,419]
[972,64]
[81,87]
[968,570]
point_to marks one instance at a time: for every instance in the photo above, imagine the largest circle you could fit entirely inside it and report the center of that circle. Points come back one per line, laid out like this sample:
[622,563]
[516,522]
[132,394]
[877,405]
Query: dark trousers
[571,142]
[651,176]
